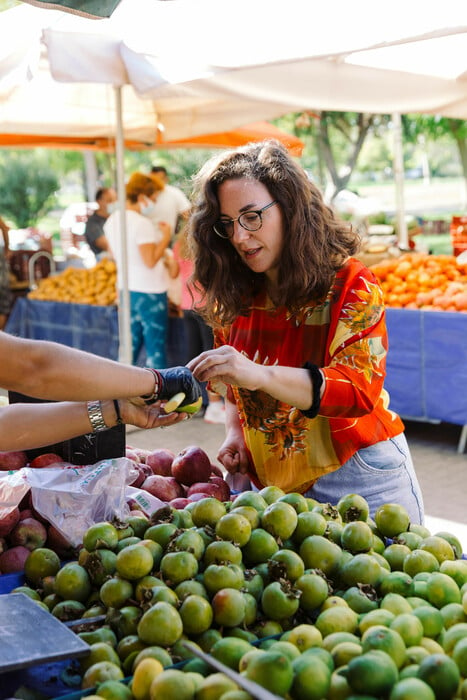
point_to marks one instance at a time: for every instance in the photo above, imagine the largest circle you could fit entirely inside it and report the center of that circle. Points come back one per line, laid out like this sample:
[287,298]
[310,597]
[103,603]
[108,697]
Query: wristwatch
[95,416]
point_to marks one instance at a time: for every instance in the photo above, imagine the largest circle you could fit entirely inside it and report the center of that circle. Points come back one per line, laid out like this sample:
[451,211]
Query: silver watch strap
[95,416]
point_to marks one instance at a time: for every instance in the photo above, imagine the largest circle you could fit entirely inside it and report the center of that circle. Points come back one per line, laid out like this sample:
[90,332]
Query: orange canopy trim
[256,131]
[228,139]
[67,142]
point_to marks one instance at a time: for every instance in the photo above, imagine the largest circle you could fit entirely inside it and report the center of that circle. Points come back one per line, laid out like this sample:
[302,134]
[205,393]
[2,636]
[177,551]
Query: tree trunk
[91,175]
[340,182]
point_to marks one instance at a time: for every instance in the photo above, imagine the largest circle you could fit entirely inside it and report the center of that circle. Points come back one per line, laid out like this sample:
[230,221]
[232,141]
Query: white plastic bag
[74,498]
[13,486]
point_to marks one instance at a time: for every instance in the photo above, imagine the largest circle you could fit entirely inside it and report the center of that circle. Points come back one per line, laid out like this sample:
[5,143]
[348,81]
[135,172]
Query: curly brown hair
[316,243]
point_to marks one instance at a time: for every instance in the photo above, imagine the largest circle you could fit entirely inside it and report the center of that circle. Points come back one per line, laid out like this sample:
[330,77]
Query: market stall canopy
[199,75]
[32,101]
[410,57]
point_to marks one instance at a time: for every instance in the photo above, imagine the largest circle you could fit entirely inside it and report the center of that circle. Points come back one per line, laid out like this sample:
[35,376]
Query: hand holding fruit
[147,416]
[177,380]
[227,365]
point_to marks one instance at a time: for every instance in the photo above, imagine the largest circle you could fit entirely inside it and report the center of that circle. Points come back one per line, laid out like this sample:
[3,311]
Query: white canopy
[202,68]
[406,57]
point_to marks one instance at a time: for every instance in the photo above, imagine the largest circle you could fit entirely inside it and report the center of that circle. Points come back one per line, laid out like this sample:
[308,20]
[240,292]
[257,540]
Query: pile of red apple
[24,529]
[175,479]
[178,479]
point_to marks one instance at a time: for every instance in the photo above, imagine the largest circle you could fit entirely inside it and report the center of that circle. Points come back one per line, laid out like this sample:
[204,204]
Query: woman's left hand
[227,365]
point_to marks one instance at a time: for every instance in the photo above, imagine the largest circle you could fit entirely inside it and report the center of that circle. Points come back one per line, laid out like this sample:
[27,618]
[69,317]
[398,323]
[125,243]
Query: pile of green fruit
[306,599]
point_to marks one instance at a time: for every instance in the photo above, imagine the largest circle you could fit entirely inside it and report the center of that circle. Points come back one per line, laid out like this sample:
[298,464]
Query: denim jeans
[381,473]
[149,320]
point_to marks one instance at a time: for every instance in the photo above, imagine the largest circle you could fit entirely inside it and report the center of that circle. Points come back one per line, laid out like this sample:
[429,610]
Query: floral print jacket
[346,337]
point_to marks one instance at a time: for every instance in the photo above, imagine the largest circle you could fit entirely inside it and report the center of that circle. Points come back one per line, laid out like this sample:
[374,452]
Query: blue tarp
[86,327]
[427,364]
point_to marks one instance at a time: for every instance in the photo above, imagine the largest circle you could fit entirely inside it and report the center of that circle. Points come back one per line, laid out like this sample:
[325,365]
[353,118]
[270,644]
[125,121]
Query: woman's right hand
[233,454]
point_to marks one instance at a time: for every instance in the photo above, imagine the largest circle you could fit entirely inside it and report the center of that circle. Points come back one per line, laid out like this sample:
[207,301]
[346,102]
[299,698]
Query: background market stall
[413,61]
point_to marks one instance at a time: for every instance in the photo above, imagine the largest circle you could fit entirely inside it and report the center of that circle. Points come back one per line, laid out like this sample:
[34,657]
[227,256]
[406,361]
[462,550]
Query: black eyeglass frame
[229,222]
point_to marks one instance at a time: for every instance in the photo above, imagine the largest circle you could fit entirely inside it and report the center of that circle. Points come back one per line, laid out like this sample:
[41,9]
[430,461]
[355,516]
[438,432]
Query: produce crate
[458,232]
[10,581]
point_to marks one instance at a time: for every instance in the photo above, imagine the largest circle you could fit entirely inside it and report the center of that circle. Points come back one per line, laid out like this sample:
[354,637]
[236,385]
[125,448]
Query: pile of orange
[420,281]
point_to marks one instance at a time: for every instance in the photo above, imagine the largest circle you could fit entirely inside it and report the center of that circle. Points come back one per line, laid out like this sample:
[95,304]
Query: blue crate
[10,581]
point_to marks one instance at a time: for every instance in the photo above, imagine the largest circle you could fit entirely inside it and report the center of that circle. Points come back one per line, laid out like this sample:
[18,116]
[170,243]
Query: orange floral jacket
[346,337]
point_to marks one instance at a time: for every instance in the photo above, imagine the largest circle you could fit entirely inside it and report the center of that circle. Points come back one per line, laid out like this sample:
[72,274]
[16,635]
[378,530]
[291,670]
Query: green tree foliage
[28,188]
[338,139]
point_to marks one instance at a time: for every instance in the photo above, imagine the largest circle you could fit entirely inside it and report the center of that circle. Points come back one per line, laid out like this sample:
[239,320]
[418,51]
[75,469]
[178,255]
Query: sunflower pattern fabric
[346,336]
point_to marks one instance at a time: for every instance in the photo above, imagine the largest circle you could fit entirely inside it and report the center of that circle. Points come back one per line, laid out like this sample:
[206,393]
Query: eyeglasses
[249,220]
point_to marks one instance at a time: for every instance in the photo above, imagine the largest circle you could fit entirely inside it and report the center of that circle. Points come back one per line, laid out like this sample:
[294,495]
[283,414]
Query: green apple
[191,407]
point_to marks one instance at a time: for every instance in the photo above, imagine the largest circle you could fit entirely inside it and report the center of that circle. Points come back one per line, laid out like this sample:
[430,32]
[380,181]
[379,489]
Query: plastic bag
[238,482]
[13,487]
[74,498]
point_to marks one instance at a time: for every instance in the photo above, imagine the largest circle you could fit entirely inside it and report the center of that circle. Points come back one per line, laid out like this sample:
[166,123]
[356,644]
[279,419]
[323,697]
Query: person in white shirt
[172,204]
[148,277]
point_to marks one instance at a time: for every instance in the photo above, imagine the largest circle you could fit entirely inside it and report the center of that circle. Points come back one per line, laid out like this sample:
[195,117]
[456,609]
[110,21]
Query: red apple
[208,488]
[192,465]
[141,453]
[160,461]
[223,485]
[8,522]
[13,559]
[10,461]
[59,543]
[26,502]
[216,471]
[131,454]
[197,496]
[26,513]
[29,533]
[142,473]
[179,503]
[48,459]
[166,488]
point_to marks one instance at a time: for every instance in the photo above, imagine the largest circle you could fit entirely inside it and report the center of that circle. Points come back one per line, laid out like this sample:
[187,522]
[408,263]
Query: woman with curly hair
[300,335]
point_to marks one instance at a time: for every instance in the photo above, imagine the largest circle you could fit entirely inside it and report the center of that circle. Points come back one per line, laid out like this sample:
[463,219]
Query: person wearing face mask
[106,199]
[148,277]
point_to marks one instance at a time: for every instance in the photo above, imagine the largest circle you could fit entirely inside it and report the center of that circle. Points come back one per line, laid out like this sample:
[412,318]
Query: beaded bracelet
[151,398]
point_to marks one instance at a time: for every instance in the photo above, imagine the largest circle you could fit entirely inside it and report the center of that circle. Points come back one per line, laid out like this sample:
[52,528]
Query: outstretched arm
[28,426]
[56,372]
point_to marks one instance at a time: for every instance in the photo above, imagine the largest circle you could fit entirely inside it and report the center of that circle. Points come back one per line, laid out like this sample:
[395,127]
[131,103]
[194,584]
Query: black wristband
[317,381]
[117,411]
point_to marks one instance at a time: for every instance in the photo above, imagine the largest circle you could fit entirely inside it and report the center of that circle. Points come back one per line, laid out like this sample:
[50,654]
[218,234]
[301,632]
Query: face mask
[148,208]
[111,207]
